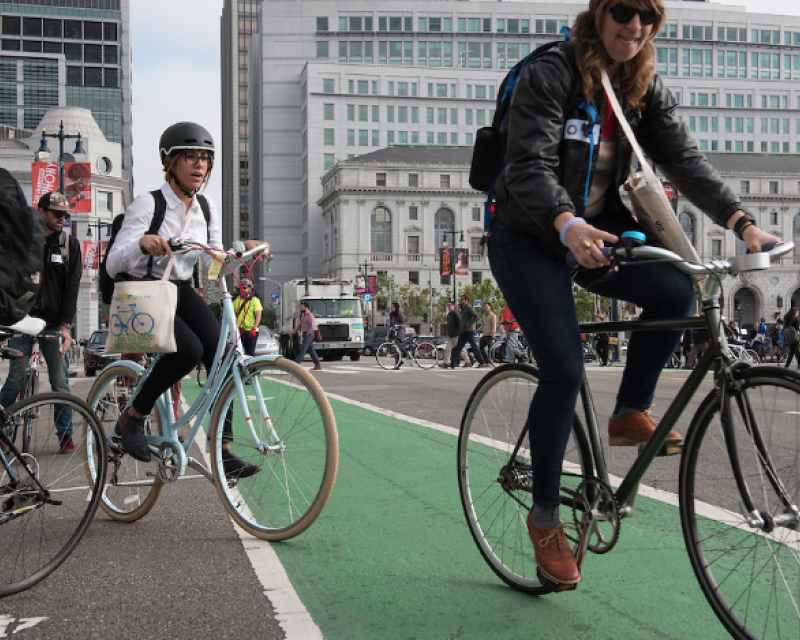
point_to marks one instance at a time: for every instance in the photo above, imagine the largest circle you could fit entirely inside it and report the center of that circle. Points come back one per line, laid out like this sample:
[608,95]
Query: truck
[337,309]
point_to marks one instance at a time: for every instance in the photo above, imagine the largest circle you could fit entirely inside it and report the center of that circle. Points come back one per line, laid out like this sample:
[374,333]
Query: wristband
[740,225]
[562,235]
[745,226]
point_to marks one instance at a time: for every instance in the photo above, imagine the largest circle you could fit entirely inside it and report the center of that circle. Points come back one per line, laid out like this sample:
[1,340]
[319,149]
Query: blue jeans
[463,339]
[57,368]
[308,346]
[539,290]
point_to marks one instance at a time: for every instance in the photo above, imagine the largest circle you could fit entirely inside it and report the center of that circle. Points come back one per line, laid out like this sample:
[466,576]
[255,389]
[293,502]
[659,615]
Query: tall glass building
[78,47]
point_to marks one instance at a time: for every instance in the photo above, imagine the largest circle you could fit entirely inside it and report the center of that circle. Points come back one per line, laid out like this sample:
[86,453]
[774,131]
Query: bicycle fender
[130,363]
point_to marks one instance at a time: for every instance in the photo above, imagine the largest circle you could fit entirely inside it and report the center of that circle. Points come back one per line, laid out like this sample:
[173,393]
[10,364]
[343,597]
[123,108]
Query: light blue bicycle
[281,421]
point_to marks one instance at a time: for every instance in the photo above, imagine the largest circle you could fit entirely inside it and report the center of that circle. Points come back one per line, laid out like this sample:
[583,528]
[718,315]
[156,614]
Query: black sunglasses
[60,214]
[623,14]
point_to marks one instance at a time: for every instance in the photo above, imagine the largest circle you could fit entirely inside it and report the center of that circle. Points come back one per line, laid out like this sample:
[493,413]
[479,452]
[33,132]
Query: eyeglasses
[60,214]
[623,14]
[192,157]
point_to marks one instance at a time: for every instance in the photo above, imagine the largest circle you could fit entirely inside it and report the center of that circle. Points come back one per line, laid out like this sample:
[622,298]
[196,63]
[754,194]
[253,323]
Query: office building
[68,53]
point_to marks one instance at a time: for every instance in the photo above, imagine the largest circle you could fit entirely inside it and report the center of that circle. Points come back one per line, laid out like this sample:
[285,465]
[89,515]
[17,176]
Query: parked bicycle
[392,353]
[47,497]
[281,421]
[498,352]
[739,485]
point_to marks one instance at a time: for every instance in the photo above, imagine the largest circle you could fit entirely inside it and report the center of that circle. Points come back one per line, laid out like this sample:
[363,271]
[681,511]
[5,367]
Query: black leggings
[793,353]
[196,334]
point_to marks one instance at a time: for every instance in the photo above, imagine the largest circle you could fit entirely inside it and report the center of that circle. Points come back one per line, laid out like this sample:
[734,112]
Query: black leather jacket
[550,160]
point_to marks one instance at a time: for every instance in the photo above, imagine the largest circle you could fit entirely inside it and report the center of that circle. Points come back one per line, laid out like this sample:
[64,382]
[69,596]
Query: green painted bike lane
[391,556]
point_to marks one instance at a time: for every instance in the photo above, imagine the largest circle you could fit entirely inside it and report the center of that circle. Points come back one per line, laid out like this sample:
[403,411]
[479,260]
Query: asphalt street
[184,571]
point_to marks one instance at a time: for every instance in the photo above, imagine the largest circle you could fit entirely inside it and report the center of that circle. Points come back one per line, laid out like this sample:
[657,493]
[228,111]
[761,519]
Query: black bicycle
[739,487]
[47,498]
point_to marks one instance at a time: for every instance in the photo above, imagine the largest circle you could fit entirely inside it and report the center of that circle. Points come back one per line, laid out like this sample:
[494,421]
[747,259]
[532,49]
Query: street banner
[44,176]
[361,285]
[90,257]
[462,262]
[446,262]
[275,298]
[372,284]
[78,186]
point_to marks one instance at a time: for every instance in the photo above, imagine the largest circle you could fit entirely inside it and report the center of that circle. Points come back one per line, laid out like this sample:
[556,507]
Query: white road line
[290,612]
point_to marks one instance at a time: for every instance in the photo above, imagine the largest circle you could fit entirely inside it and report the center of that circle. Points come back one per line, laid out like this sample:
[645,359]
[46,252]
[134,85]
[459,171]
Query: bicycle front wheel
[494,472]
[426,354]
[41,525]
[133,487]
[388,355]
[749,572]
[296,445]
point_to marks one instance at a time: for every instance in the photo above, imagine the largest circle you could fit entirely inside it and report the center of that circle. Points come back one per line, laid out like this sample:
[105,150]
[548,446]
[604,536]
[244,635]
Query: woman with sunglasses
[187,157]
[559,192]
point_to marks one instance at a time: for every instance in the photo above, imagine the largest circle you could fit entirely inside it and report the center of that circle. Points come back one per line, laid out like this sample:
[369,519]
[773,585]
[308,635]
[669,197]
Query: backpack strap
[157,221]
[63,246]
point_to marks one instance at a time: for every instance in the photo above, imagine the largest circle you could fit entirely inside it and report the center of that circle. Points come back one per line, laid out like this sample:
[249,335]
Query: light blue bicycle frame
[229,359]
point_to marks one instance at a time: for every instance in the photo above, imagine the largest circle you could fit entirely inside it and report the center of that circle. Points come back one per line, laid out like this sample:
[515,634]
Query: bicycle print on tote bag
[142,317]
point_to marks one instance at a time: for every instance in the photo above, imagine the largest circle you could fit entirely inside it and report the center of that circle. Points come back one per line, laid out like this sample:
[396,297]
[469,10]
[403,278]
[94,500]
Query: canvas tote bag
[141,316]
[652,207]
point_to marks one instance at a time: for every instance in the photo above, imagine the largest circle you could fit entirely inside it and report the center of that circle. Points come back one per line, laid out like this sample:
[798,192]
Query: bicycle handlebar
[738,264]
[181,246]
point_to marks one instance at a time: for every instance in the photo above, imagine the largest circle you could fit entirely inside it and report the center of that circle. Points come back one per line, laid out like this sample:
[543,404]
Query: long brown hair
[633,76]
[790,315]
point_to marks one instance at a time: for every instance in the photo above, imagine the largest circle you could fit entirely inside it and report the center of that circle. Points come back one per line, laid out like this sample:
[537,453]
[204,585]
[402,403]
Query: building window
[327,85]
[380,179]
[381,231]
[105,201]
[444,226]
[412,247]
[773,218]
[328,137]
[773,187]
[476,214]
[444,181]
[329,159]
[413,179]
[688,225]
[413,213]
[716,248]
[322,23]
[413,277]
[477,277]
[322,49]
[327,112]
[744,186]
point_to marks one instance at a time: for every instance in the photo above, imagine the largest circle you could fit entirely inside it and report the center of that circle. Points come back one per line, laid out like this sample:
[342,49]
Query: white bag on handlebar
[141,316]
[653,210]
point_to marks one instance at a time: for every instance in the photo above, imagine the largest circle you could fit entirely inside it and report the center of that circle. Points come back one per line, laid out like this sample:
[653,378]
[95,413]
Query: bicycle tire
[497,354]
[750,357]
[426,355]
[39,534]
[493,422]
[748,576]
[388,356]
[132,487]
[29,418]
[295,483]
[142,323]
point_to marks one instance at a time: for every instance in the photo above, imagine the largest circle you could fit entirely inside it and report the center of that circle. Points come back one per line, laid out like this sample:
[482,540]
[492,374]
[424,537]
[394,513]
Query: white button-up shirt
[126,256]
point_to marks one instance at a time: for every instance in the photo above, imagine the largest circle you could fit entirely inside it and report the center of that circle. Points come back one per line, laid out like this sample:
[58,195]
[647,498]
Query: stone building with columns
[393,209]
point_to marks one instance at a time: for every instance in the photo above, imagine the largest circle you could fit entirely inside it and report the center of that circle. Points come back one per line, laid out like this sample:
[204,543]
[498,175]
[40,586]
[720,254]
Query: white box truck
[339,313]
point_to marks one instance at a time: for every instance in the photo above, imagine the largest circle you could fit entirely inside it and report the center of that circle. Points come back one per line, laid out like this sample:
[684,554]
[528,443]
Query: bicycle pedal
[666,450]
[551,585]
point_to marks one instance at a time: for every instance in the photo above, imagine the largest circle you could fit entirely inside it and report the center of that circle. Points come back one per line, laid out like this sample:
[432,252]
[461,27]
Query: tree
[486,291]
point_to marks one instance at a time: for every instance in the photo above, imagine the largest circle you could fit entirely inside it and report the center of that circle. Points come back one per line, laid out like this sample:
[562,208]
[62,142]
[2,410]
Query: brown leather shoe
[553,554]
[636,429]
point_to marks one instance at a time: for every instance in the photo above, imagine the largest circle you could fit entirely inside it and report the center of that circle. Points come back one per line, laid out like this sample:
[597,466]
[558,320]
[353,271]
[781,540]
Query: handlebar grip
[572,262]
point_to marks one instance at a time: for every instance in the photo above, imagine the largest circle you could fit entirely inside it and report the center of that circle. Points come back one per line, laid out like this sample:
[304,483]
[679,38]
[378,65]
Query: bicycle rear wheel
[133,487]
[300,458]
[497,354]
[426,355]
[388,355]
[494,476]
[749,574]
[39,530]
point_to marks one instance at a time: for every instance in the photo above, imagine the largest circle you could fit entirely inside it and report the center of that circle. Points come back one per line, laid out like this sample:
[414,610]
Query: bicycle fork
[262,447]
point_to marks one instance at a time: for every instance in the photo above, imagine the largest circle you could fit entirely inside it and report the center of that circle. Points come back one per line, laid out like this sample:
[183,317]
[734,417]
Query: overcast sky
[175,59]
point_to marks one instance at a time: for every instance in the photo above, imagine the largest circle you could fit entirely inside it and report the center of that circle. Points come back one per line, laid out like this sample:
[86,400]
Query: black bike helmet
[182,136]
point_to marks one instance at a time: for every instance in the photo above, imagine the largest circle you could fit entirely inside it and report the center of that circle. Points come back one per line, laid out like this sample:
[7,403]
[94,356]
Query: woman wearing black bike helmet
[187,156]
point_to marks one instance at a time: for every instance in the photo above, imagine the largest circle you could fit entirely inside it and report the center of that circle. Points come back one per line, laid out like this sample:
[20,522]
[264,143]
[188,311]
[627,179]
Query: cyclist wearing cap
[56,302]
[248,310]
[187,157]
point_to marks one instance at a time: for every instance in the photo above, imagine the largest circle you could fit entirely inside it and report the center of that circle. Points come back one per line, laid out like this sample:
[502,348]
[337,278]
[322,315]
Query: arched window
[445,220]
[796,238]
[380,226]
[745,309]
[687,224]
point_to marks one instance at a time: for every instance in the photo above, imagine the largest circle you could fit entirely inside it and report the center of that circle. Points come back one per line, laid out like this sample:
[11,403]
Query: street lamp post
[44,150]
[430,296]
[367,267]
[98,225]
[453,232]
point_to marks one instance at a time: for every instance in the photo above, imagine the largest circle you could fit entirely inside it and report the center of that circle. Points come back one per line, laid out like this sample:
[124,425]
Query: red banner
[44,176]
[446,262]
[90,257]
[78,186]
